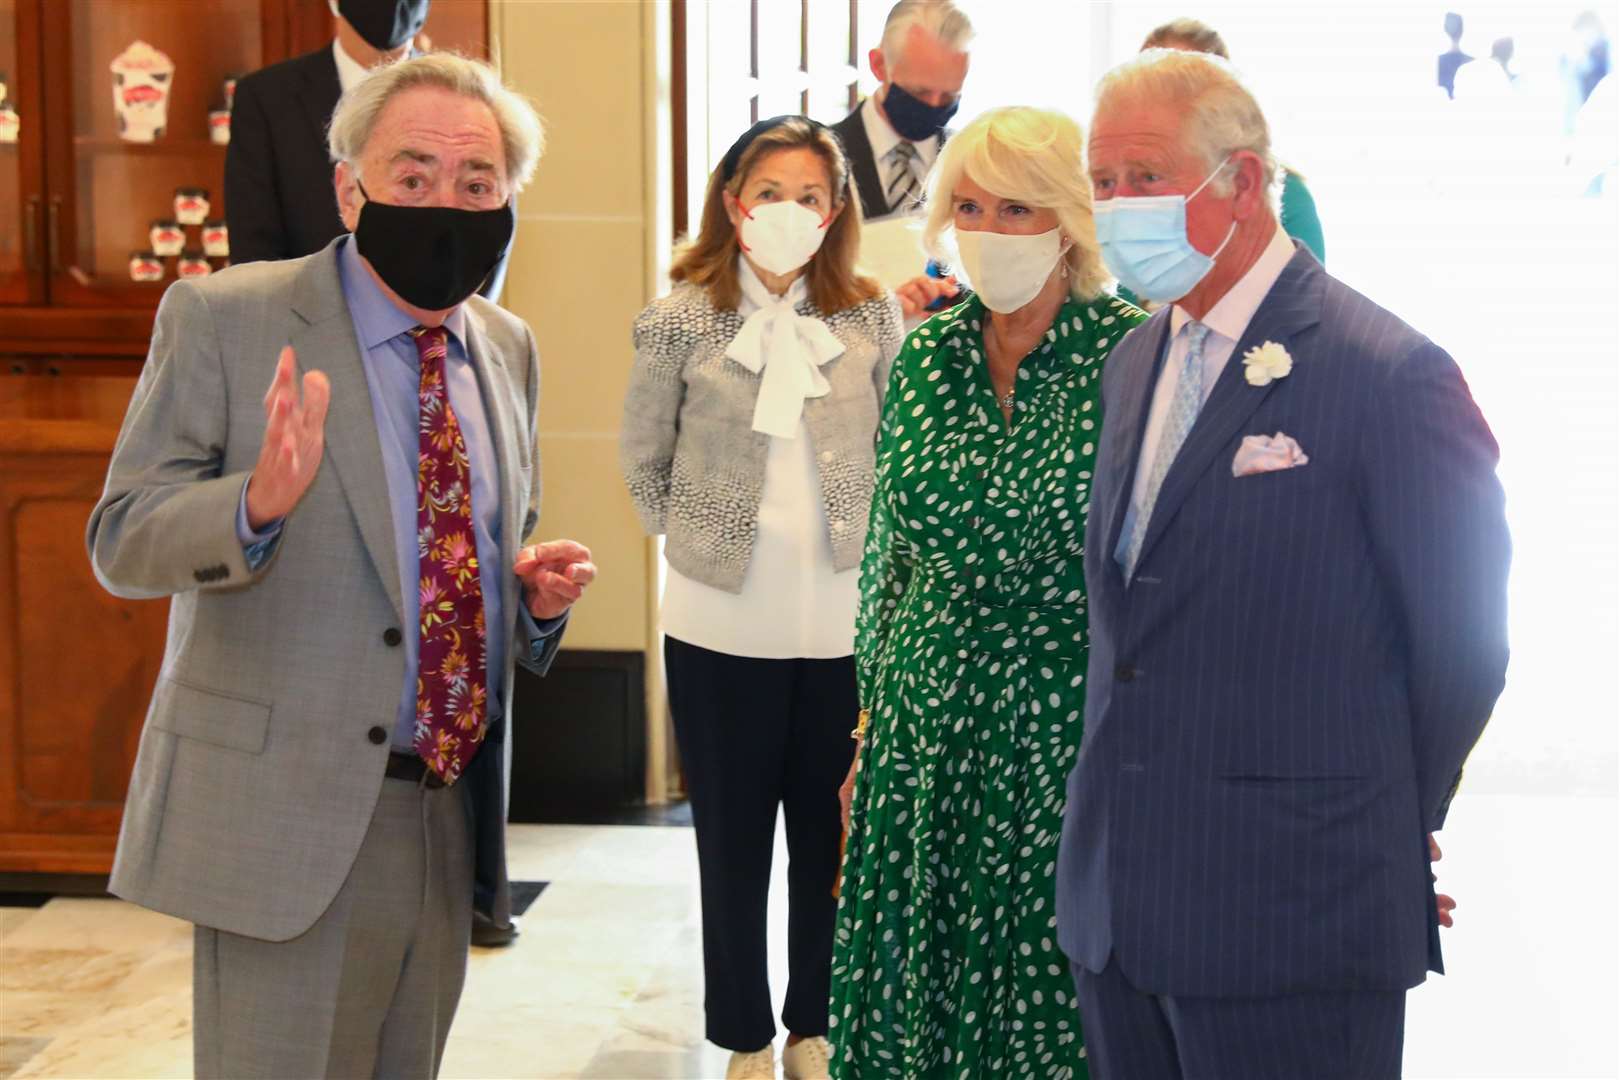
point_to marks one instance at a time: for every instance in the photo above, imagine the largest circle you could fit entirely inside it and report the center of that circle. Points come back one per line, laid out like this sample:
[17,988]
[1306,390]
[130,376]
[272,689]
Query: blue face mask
[1144,243]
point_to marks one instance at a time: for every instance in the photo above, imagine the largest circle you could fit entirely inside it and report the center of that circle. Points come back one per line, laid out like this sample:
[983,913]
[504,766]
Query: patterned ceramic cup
[145,266]
[142,79]
[191,205]
[216,239]
[193,264]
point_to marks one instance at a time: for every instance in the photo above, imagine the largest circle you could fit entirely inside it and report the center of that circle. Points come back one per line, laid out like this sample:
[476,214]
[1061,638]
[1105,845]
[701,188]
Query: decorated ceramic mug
[219,126]
[216,239]
[193,264]
[191,205]
[145,266]
[167,237]
[142,79]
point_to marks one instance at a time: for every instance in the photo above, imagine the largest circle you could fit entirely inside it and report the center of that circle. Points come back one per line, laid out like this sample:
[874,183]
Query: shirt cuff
[256,546]
[538,631]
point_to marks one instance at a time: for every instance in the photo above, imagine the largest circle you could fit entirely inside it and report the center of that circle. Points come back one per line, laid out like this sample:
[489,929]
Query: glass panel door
[22,279]
[145,102]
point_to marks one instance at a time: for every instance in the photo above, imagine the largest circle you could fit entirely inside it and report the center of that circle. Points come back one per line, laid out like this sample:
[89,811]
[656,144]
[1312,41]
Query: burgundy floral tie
[450,682]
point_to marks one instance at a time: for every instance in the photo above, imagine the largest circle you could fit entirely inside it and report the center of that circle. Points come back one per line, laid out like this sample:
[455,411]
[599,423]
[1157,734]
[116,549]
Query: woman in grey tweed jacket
[748,443]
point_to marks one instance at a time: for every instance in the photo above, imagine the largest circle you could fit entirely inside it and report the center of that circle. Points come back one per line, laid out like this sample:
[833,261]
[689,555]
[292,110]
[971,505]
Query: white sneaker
[807,1059]
[759,1065]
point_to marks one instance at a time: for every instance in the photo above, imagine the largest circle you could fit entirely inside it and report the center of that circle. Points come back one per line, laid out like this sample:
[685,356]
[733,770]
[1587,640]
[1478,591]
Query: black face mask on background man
[914,118]
[385,25]
[434,257]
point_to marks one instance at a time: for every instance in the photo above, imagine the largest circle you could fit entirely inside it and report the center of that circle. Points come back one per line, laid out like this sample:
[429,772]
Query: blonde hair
[1220,114]
[523,135]
[1187,34]
[1036,157]
[710,258]
[940,18]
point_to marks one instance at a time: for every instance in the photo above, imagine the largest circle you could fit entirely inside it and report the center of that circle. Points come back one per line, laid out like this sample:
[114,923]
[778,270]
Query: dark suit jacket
[279,202]
[1279,703]
[851,131]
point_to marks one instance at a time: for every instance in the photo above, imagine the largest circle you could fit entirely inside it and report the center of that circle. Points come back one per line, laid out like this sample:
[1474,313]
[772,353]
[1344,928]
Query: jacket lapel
[1293,304]
[1143,356]
[852,130]
[497,403]
[327,343]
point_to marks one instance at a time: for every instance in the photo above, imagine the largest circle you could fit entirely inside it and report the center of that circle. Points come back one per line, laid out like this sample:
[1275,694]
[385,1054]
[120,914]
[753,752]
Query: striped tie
[1183,412]
[903,185]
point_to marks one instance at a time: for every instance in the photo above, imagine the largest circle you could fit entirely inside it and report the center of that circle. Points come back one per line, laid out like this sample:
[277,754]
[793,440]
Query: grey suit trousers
[371,988]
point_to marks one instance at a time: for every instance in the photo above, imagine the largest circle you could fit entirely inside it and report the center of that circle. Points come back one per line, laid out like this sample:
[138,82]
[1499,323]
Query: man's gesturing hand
[294,435]
[554,575]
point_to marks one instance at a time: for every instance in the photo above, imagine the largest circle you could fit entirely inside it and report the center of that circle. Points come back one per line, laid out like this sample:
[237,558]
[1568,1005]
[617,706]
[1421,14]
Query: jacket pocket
[209,716]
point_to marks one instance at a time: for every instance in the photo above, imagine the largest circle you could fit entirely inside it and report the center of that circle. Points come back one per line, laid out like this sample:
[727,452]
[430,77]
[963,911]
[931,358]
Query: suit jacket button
[392,636]
[1124,673]
[377,736]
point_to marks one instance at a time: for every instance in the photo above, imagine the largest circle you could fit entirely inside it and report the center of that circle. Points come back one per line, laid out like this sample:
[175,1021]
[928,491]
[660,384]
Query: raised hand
[294,437]
[554,575]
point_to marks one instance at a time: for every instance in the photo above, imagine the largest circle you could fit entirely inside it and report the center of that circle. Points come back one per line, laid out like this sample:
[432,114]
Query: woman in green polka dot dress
[972,634]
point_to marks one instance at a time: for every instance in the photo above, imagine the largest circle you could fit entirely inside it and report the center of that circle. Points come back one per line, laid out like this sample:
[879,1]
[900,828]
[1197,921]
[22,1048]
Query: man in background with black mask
[321,777]
[278,181]
[894,136]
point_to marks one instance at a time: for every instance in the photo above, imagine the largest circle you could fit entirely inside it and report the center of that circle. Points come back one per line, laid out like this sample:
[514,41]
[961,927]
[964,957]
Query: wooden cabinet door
[108,180]
[77,665]
[22,173]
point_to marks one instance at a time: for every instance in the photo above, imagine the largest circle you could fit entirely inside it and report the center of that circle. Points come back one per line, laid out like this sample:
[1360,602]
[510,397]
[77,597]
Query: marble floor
[606,979]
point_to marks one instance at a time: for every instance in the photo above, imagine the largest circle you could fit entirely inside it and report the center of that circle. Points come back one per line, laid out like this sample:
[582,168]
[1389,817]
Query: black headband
[729,163]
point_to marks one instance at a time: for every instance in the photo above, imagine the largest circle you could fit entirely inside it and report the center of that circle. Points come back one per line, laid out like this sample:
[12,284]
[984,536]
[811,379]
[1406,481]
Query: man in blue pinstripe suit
[1297,562]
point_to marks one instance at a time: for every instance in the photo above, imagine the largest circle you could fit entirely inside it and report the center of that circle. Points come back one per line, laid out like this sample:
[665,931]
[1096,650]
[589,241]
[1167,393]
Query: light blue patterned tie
[1183,412]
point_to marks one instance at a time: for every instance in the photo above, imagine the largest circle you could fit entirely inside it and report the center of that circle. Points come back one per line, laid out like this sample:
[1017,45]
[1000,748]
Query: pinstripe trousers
[1134,1035]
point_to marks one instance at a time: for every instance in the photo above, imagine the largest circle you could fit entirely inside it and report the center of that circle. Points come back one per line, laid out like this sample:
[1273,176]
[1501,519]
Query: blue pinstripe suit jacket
[1279,703]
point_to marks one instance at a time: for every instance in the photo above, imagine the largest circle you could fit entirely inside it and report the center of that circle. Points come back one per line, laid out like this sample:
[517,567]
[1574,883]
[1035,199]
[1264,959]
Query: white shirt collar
[1232,313]
[884,138]
[350,70]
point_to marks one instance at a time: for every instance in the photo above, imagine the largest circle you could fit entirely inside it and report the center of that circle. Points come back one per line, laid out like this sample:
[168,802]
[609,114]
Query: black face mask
[913,119]
[434,257]
[385,25]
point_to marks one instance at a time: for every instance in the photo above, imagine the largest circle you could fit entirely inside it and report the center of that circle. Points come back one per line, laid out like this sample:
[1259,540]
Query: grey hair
[941,18]
[1220,114]
[523,136]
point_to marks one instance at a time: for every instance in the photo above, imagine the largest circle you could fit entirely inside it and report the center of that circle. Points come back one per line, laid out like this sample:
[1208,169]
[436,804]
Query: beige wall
[591,246]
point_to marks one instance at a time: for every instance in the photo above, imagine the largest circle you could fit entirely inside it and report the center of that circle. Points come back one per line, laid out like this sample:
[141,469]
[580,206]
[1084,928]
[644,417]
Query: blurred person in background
[893,137]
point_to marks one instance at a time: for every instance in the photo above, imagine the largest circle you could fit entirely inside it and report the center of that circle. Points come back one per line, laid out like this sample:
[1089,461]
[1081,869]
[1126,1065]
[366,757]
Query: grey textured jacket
[694,464]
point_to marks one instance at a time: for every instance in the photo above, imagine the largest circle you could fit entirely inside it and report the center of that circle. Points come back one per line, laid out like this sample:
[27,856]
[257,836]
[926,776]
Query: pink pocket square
[1267,453]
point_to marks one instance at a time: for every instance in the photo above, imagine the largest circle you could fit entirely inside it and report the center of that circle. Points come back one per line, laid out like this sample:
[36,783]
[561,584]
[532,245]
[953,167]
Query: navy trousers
[756,735]
[1133,1035]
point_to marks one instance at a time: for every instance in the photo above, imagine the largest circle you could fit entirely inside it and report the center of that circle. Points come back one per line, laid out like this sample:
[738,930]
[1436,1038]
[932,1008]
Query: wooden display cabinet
[76,664]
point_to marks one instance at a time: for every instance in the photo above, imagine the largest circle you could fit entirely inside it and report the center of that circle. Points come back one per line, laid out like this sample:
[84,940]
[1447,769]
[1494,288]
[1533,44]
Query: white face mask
[780,237]
[1008,271]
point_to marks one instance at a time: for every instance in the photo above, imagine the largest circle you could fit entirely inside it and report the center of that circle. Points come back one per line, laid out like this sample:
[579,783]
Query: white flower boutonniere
[1266,362]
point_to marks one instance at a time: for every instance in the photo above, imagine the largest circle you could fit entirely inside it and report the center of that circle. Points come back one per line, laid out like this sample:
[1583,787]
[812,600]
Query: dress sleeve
[886,563]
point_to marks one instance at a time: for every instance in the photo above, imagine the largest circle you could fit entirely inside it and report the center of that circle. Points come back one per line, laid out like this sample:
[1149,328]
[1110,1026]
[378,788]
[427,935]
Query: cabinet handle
[31,234]
[55,219]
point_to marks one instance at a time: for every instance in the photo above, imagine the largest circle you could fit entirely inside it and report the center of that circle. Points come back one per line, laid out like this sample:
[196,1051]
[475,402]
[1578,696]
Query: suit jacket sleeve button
[377,736]
[392,637]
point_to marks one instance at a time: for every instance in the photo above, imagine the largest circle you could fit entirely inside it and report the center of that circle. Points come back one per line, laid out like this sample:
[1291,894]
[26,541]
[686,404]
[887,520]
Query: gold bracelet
[860,726]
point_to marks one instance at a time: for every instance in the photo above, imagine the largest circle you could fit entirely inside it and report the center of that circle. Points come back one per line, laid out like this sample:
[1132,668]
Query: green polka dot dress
[971,648]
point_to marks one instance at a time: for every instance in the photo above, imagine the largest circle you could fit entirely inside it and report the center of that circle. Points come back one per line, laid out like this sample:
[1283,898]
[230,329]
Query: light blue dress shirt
[393,378]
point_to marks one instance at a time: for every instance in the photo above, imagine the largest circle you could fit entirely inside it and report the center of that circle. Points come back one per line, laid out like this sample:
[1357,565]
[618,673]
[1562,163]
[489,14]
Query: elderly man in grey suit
[323,762]
[1297,561]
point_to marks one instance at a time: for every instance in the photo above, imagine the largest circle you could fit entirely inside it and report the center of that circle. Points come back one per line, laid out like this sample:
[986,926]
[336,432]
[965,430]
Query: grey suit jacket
[257,772]
[1280,700]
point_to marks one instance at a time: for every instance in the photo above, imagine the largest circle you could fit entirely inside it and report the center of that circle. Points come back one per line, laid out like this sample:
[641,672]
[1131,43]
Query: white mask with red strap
[780,237]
